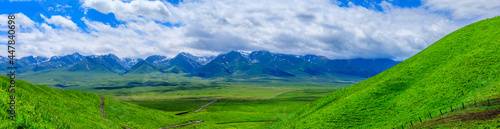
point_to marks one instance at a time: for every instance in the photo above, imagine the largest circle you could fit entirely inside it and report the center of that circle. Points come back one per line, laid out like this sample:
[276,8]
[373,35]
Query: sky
[337,29]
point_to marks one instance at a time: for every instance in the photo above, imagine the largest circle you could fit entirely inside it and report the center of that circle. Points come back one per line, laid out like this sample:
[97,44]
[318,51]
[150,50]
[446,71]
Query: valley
[453,83]
[234,75]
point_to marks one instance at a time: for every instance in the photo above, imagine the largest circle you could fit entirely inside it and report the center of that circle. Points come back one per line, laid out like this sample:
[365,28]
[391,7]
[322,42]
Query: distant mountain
[377,65]
[225,64]
[204,59]
[242,64]
[90,64]
[58,62]
[356,67]
[284,63]
[155,59]
[127,63]
[185,62]
[3,59]
[31,60]
[142,67]
[102,63]
[23,64]
[259,64]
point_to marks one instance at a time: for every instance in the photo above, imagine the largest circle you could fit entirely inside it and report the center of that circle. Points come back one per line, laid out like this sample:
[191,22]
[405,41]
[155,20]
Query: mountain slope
[225,64]
[59,62]
[461,67]
[357,67]
[39,106]
[377,65]
[91,65]
[104,63]
[142,67]
[24,64]
[184,62]
[284,63]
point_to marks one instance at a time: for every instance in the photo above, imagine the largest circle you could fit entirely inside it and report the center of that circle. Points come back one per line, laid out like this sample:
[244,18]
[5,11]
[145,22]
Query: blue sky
[72,8]
[393,29]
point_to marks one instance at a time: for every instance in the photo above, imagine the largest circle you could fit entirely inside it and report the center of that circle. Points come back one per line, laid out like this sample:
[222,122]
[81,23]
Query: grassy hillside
[40,106]
[461,67]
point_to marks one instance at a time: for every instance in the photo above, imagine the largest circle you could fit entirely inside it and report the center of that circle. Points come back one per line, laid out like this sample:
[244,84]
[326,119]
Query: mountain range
[232,64]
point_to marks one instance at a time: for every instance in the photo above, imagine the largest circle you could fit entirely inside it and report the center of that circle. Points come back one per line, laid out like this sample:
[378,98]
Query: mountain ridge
[248,64]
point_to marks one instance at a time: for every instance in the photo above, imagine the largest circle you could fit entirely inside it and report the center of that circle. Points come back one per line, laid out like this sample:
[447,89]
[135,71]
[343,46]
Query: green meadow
[172,86]
[461,67]
[39,106]
[157,98]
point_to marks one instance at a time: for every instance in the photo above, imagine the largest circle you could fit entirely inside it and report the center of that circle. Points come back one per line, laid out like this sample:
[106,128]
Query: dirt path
[104,115]
[206,105]
[102,107]
[277,94]
[182,125]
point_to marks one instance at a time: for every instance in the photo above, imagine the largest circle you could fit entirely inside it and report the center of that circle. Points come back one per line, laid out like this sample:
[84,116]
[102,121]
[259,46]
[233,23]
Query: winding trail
[277,94]
[104,115]
[182,125]
[206,105]
[102,107]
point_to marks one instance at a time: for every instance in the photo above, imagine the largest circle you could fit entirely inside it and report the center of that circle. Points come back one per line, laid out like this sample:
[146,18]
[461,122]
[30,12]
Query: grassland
[238,113]
[150,101]
[461,67]
[170,86]
[40,106]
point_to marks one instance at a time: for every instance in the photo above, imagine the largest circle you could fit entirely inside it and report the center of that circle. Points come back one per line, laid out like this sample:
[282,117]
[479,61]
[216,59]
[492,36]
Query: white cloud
[151,10]
[59,20]
[20,20]
[59,8]
[466,9]
[214,27]
[311,27]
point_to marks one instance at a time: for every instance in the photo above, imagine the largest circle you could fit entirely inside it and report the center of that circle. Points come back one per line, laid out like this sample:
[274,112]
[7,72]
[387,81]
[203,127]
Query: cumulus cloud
[312,27]
[135,10]
[214,27]
[59,20]
[466,9]
[20,19]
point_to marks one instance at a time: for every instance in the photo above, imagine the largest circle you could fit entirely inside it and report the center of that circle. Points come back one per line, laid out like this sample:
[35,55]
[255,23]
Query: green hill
[40,106]
[461,67]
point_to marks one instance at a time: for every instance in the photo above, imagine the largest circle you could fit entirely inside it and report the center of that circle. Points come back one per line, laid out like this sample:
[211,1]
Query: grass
[172,105]
[40,106]
[461,67]
[231,113]
[302,95]
[152,102]
[228,113]
[169,86]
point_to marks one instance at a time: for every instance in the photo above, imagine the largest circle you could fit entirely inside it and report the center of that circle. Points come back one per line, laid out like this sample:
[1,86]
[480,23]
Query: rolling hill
[39,106]
[463,66]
